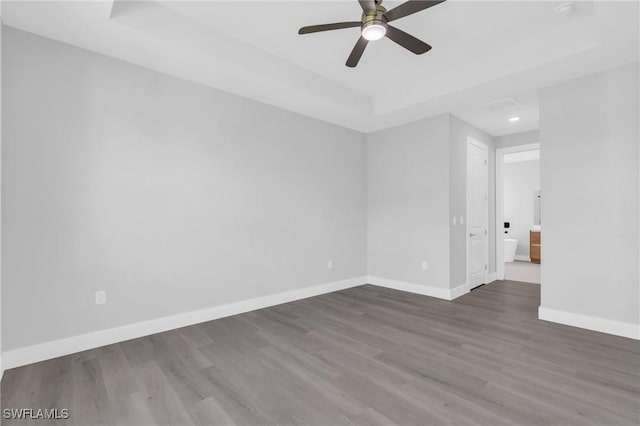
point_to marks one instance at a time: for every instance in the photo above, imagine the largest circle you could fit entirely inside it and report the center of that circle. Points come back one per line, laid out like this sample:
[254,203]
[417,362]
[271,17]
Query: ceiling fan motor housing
[374,17]
[374,24]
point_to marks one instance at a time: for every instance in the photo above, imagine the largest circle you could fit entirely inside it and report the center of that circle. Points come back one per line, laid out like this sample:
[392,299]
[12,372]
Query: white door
[477,213]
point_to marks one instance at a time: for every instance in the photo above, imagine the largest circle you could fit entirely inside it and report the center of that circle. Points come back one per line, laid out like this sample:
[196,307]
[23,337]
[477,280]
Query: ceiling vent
[565,8]
[502,104]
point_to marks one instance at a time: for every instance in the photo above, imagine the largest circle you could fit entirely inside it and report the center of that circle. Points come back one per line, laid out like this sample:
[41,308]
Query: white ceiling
[495,121]
[482,51]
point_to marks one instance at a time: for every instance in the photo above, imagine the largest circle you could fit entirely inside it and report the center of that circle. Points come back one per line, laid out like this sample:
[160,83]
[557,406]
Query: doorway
[518,221]
[477,213]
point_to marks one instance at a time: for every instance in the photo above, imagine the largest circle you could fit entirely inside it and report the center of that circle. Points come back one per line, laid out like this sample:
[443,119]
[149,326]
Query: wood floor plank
[362,356]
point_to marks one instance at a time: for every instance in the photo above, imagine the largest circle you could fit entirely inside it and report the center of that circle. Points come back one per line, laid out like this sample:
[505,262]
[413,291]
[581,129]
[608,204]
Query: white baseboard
[53,349]
[603,325]
[463,289]
[1,368]
[425,290]
[523,258]
[456,292]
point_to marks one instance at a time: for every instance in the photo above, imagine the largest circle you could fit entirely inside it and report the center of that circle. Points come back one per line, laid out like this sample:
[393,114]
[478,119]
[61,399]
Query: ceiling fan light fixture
[373,26]
[374,30]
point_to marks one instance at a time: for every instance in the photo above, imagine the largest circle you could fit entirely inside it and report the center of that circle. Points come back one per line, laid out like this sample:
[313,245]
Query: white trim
[519,157]
[523,258]
[481,145]
[1,368]
[618,328]
[461,290]
[423,289]
[43,351]
[500,201]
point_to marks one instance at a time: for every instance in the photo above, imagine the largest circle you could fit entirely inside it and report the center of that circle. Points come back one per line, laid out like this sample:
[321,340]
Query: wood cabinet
[534,246]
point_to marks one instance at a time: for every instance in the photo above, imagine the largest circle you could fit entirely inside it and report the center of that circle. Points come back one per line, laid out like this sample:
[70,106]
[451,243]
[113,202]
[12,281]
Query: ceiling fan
[374,26]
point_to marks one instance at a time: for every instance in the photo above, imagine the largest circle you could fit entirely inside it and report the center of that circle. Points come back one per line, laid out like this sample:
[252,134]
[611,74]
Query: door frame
[500,152]
[485,147]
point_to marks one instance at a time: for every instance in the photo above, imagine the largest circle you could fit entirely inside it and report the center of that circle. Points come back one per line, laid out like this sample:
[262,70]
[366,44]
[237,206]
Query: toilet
[510,247]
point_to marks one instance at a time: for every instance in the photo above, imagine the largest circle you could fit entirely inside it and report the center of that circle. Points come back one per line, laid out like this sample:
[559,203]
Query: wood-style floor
[366,355]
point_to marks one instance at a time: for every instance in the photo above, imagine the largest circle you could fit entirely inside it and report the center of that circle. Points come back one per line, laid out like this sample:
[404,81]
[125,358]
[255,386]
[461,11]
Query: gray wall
[408,199]
[1,367]
[460,132]
[517,139]
[589,169]
[173,196]
[520,179]
[169,195]
[416,183]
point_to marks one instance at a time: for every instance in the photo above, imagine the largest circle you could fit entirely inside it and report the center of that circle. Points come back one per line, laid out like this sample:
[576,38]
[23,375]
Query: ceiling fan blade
[407,41]
[368,5]
[357,52]
[328,27]
[409,8]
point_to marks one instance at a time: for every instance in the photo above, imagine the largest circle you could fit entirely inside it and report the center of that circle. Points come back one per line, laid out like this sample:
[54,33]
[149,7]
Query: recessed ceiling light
[512,119]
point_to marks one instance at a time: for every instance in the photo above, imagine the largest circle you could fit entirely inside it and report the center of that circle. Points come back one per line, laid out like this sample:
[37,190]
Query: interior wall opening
[518,219]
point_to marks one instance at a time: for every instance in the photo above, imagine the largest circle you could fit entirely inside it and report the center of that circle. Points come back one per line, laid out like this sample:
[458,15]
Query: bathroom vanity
[534,246]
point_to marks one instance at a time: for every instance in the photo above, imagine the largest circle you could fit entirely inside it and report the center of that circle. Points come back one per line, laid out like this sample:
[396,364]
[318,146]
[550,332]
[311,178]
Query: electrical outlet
[454,220]
[425,265]
[461,220]
[329,264]
[101,297]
